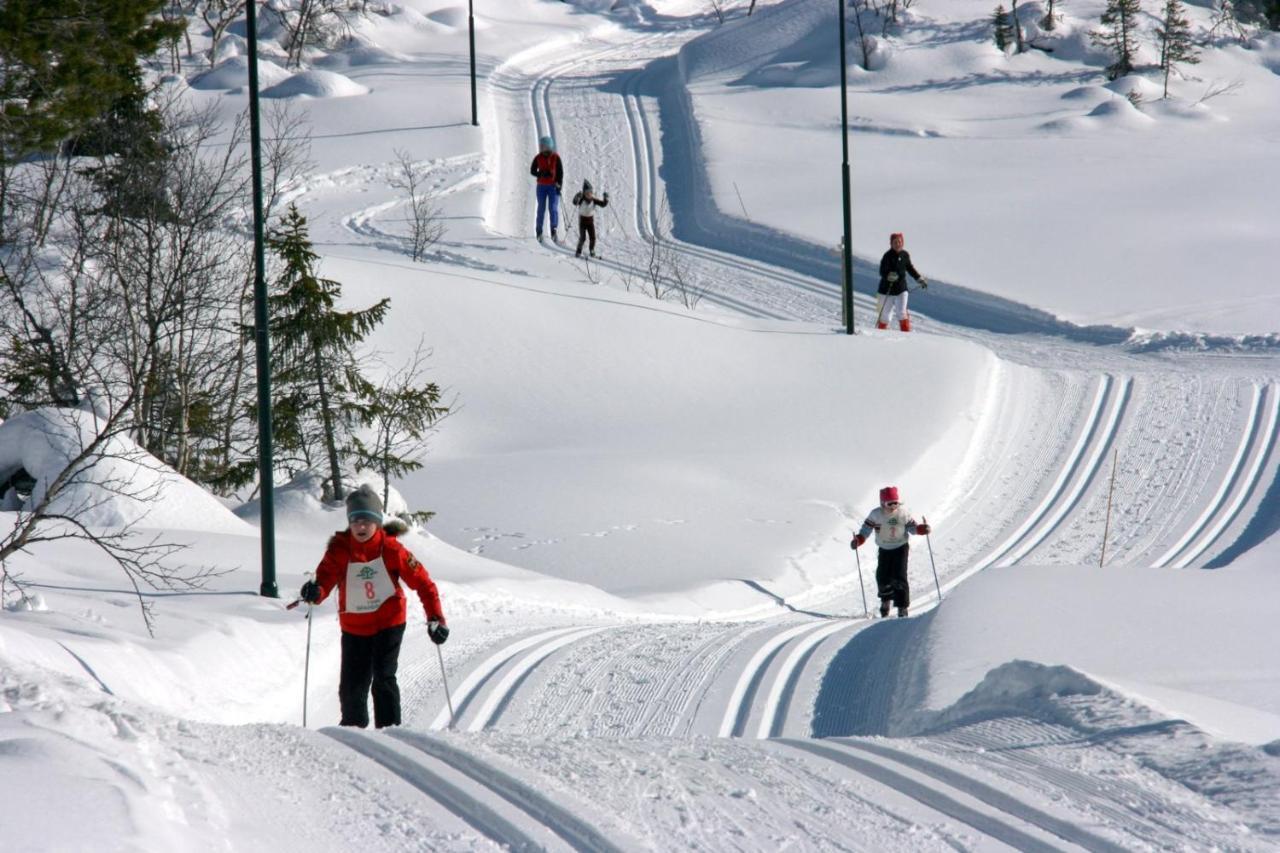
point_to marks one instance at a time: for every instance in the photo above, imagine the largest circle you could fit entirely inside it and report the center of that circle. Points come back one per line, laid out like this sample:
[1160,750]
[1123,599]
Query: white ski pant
[888,306]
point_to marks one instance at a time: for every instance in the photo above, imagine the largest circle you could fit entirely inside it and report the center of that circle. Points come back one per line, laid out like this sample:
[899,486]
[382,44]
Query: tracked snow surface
[644,505]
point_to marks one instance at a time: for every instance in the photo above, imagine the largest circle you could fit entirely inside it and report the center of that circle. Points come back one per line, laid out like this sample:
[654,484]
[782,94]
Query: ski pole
[866,611]
[306,667]
[932,565]
[445,678]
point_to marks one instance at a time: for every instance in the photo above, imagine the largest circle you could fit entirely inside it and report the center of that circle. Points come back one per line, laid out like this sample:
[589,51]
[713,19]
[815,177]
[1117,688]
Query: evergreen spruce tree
[1121,20]
[1176,44]
[323,397]
[1003,30]
[64,61]
[403,414]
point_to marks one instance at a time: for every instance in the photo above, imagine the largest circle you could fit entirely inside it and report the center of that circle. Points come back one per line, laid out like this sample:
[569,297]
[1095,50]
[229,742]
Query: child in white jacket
[892,523]
[586,203]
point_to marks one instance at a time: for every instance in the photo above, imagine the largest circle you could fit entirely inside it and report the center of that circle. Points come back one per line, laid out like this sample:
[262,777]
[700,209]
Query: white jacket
[891,528]
[587,206]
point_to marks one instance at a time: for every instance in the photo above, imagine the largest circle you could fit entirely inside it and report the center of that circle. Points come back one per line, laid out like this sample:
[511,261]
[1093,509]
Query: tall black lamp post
[847,247]
[471,26]
[261,342]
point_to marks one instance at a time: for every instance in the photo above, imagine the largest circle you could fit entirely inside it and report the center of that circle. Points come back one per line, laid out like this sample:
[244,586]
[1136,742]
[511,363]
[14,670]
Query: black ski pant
[891,576]
[586,228]
[370,661]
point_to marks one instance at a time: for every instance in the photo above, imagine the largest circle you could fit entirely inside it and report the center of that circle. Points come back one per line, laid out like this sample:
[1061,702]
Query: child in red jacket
[368,565]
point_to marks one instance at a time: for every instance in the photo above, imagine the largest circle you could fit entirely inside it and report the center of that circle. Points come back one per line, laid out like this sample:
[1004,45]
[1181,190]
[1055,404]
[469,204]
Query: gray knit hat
[364,501]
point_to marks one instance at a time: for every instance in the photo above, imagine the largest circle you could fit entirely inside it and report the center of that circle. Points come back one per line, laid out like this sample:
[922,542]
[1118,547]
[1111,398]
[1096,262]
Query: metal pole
[847,284]
[932,565]
[306,668]
[445,678]
[866,611]
[1106,528]
[262,345]
[471,26]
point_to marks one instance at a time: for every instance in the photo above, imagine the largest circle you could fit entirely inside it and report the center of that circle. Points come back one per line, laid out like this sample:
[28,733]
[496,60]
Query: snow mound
[1130,83]
[316,84]
[1114,113]
[1170,108]
[1120,112]
[1084,93]
[233,73]
[358,57]
[118,486]
[454,17]
[1018,688]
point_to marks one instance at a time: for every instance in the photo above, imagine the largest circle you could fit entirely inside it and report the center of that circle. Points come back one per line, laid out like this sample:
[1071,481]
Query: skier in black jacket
[893,290]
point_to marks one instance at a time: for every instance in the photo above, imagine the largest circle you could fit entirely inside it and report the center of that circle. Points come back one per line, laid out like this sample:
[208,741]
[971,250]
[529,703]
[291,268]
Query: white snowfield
[660,638]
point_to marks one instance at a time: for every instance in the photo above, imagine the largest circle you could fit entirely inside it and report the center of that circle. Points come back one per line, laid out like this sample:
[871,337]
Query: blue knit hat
[364,503]
[548,142]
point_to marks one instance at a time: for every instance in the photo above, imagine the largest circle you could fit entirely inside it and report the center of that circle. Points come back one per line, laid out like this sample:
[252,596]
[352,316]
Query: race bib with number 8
[368,586]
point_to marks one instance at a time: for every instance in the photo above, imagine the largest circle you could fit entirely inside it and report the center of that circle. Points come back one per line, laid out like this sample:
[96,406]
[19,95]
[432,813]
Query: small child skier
[892,523]
[893,289]
[586,203]
[548,168]
[367,563]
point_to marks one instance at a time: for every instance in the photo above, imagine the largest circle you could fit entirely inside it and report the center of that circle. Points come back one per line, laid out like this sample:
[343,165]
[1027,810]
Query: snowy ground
[644,510]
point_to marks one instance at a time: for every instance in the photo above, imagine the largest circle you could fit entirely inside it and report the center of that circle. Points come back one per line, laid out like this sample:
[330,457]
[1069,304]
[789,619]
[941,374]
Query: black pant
[365,661]
[586,228]
[891,576]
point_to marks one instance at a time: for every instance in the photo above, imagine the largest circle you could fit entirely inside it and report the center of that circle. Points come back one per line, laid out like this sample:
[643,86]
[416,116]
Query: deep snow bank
[1186,644]
[118,484]
[1007,173]
[610,440]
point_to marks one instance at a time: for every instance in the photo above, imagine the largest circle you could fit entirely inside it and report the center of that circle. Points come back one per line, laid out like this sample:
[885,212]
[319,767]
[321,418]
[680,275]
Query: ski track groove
[1237,484]
[927,795]
[1002,469]
[478,676]
[1064,829]
[738,710]
[650,687]
[771,714]
[579,834]
[1011,747]
[1216,502]
[1168,452]
[471,810]
[1084,475]
[1056,489]
[507,683]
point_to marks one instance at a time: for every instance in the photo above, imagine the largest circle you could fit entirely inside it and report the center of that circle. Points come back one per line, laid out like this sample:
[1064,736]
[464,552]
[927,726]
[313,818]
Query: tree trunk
[330,437]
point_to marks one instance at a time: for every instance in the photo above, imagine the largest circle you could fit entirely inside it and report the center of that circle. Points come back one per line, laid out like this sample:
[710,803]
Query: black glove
[438,632]
[310,592]
[605,196]
[924,284]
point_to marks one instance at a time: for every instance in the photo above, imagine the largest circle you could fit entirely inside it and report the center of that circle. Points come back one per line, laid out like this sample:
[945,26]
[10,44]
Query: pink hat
[897,235]
[888,494]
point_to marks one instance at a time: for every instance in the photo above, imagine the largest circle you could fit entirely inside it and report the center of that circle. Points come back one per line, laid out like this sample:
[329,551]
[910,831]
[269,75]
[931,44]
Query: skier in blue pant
[549,170]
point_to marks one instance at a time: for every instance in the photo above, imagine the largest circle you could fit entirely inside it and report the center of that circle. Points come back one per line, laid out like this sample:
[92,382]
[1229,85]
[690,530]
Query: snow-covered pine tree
[1120,36]
[314,370]
[1002,31]
[1176,44]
